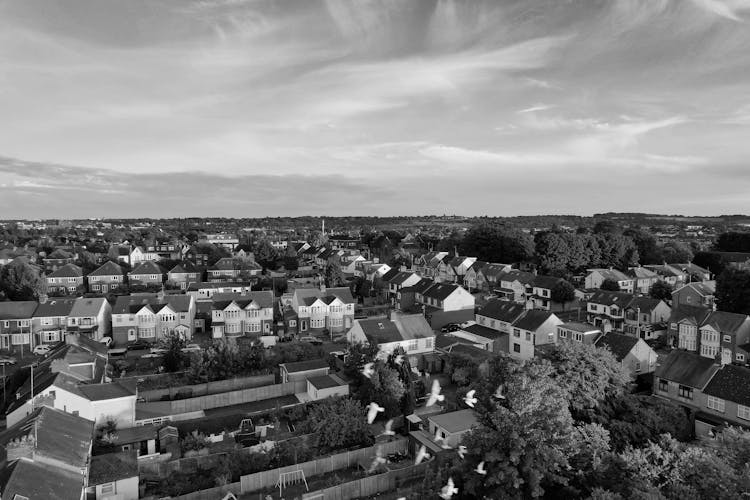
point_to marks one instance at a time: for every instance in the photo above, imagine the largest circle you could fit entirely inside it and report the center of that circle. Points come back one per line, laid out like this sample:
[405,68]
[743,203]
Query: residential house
[319,309]
[146,274]
[349,265]
[238,314]
[577,332]
[57,259]
[684,322]
[406,298]
[672,276]
[344,241]
[303,370]
[721,333]
[682,376]
[499,315]
[15,324]
[633,353]
[480,336]
[401,280]
[725,400]
[456,269]
[384,283]
[643,277]
[91,317]
[410,332]
[695,294]
[233,270]
[427,265]
[491,275]
[533,328]
[152,316]
[197,255]
[46,456]
[243,252]
[451,427]
[165,250]
[541,294]
[595,278]
[50,319]
[607,309]
[472,280]
[693,272]
[113,476]
[184,273]
[204,290]
[326,386]
[106,278]
[444,303]
[224,240]
[514,285]
[646,317]
[67,279]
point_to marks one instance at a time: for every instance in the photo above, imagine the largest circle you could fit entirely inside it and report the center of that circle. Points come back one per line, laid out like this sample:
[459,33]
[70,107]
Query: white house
[152,316]
[316,309]
[326,386]
[247,313]
[577,332]
[113,476]
[91,316]
[452,426]
[446,297]
[533,328]
[411,332]
[596,277]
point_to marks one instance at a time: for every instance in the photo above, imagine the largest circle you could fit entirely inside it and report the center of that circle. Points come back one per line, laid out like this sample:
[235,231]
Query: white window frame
[715,403]
[743,412]
[51,336]
[108,488]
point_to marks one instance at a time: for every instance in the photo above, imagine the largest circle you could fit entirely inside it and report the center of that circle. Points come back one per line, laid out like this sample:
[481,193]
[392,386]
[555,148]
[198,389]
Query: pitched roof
[445,341]
[401,277]
[725,322]
[547,282]
[469,351]
[263,298]
[704,288]
[690,267]
[147,267]
[306,365]
[494,269]
[686,368]
[67,271]
[502,310]
[55,307]
[26,479]
[412,326]
[422,285]
[109,268]
[381,330]
[645,304]
[619,344]
[455,421]
[641,273]
[21,309]
[440,291]
[532,320]
[611,274]
[522,277]
[390,274]
[695,313]
[579,327]
[324,382]
[483,331]
[343,293]
[87,306]
[112,390]
[664,270]
[607,298]
[112,467]
[731,383]
[131,304]
[477,265]
[184,267]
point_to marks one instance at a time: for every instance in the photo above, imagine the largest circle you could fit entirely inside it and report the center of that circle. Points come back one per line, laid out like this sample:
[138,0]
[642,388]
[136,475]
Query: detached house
[533,328]
[684,323]
[152,317]
[643,278]
[646,317]
[400,281]
[184,273]
[444,303]
[541,294]
[67,279]
[472,280]
[607,309]
[15,324]
[237,314]
[596,277]
[490,277]
[106,278]
[514,285]
[633,353]
[427,265]
[146,274]
[411,332]
[456,269]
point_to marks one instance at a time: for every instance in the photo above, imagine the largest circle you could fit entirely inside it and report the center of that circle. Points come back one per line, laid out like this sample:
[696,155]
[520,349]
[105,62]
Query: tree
[333,275]
[587,374]
[337,423]
[563,292]
[733,291]
[20,281]
[174,357]
[648,250]
[552,252]
[265,254]
[497,243]
[384,388]
[661,290]
[676,251]
[610,285]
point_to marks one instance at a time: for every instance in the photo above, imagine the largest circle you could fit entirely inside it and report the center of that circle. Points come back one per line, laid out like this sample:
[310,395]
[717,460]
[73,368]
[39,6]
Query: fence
[369,486]
[267,479]
[209,388]
[212,493]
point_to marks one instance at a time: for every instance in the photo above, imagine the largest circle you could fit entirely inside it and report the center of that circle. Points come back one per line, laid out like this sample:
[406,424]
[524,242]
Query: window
[108,488]
[24,322]
[428,343]
[715,403]
[685,392]
[578,337]
[20,338]
[516,347]
[663,386]
[516,332]
[413,345]
[709,351]
[740,357]
[743,412]
[637,366]
[528,336]
[563,334]
[50,336]
[146,333]
[292,323]
[6,324]
[727,338]
[95,288]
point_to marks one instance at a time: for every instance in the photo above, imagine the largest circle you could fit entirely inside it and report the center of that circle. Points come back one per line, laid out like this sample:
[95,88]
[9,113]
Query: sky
[243,108]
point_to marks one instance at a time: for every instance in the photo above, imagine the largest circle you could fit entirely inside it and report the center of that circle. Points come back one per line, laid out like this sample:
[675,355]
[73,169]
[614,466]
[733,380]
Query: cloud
[535,108]
[729,9]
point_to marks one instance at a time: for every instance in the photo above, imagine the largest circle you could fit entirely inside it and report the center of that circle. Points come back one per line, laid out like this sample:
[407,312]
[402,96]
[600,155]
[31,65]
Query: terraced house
[50,320]
[91,317]
[238,314]
[151,317]
[106,278]
[67,279]
[15,324]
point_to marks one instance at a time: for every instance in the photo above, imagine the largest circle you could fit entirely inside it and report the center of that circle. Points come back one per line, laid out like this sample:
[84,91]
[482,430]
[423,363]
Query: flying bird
[480,469]
[461,451]
[388,429]
[421,455]
[399,359]
[379,459]
[469,399]
[435,395]
[500,392]
[372,411]
[368,371]
[448,490]
[381,355]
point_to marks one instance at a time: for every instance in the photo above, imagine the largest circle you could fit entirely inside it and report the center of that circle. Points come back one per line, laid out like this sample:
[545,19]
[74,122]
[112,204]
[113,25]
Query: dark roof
[67,271]
[390,274]
[148,267]
[130,304]
[323,382]
[54,307]
[206,285]
[696,313]
[471,352]
[725,322]
[686,368]
[532,320]
[382,330]
[422,285]
[401,277]
[645,304]
[523,277]
[440,291]
[184,267]
[706,288]
[112,467]
[306,365]
[483,331]
[455,421]
[620,345]
[109,268]
[731,383]
[39,482]
[343,293]
[21,309]
[579,327]
[264,299]
[607,298]
[136,434]
[547,282]
[502,310]
[112,390]
[444,341]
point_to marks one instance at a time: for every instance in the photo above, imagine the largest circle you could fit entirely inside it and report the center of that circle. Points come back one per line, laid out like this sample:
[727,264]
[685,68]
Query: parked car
[311,340]
[42,350]
[450,327]
[139,345]
[7,360]
[107,341]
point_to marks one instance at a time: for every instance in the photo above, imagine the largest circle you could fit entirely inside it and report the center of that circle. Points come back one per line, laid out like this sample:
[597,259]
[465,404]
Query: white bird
[448,490]
[469,399]
[399,359]
[372,411]
[421,455]
[381,355]
[368,371]
[500,392]
[480,469]
[435,395]
[441,440]
[379,459]
[388,429]
[711,433]
[461,451]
